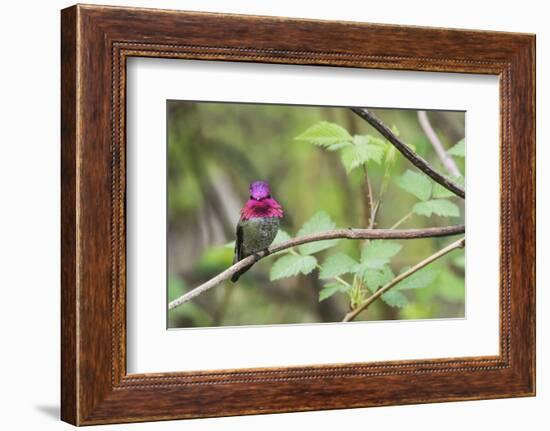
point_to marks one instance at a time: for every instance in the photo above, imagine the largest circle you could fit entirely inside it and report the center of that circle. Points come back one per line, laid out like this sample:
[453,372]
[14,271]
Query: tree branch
[363,306]
[414,158]
[320,236]
[445,157]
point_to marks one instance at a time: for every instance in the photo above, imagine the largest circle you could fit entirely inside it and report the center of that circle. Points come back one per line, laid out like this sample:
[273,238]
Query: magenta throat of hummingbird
[261,204]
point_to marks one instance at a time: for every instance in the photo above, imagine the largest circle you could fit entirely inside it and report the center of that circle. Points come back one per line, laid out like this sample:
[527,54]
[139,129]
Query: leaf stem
[402,220]
[337,278]
[372,207]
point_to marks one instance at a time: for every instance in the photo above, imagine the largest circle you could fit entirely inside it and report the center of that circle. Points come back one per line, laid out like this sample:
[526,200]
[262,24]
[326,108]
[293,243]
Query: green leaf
[327,135]
[459,149]
[419,279]
[394,298]
[391,153]
[438,191]
[369,139]
[375,255]
[292,265]
[395,131]
[320,222]
[337,264]
[416,184]
[379,249]
[441,192]
[364,268]
[440,207]
[364,149]
[330,289]
[411,146]
[389,163]
[377,263]
[282,236]
[375,278]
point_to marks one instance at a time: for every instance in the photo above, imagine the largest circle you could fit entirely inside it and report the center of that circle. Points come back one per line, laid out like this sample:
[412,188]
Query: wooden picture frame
[96,41]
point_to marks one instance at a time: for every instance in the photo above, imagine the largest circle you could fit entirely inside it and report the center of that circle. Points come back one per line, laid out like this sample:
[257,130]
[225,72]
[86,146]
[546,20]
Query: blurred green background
[216,149]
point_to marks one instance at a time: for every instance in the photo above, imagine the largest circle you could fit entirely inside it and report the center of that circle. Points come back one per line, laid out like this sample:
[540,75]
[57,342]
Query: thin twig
[446,158]
[402,220]
[414,158]
[372,210]
[353,314]
[372,221]
[337,278]
[319,236]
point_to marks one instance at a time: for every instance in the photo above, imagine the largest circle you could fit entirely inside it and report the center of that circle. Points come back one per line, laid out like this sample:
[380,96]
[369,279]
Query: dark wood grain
[96,41]
[69,398]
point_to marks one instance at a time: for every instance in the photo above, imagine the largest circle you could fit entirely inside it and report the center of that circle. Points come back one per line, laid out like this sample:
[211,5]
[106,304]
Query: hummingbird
[258,224]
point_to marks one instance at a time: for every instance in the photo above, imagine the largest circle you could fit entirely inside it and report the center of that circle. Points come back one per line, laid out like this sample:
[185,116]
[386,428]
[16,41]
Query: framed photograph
[264,215]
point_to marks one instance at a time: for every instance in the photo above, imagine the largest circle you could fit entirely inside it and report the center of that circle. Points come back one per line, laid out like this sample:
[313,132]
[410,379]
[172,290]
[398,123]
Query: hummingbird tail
[236,276]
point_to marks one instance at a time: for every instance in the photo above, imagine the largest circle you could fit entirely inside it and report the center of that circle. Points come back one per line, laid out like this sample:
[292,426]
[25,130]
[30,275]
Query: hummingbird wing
[238,244]
[239,254]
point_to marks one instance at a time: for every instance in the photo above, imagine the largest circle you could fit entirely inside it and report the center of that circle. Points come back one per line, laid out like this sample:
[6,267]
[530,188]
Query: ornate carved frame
[96,41]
